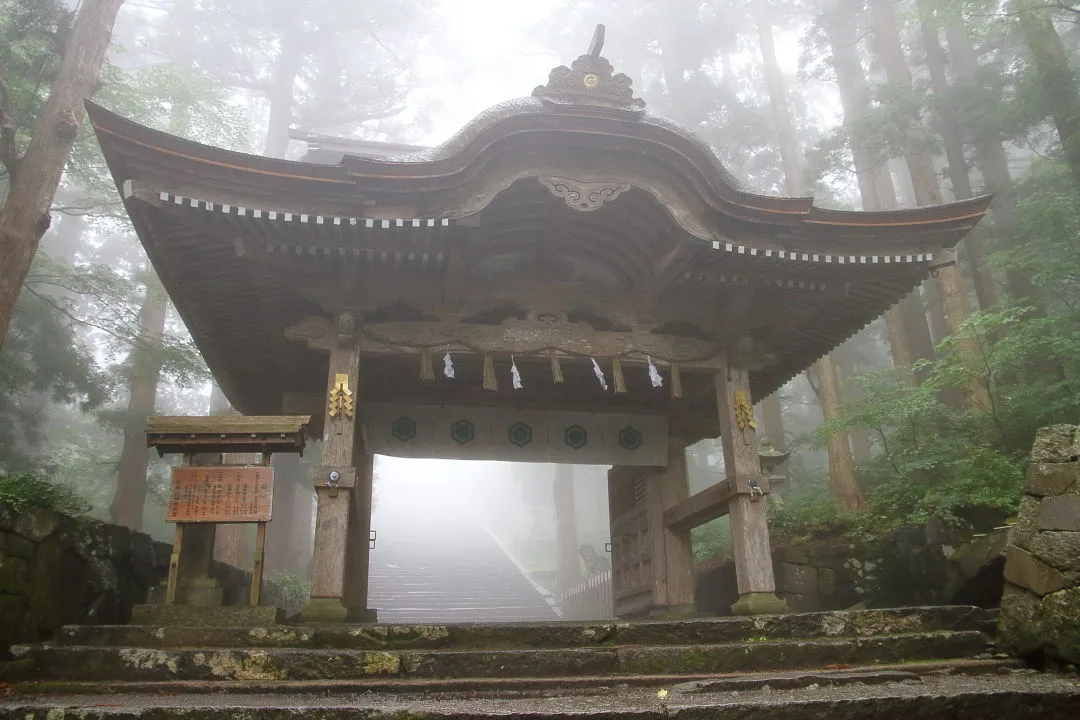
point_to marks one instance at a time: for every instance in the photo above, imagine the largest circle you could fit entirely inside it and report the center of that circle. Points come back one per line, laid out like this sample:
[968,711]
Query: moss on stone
[1059,623]
[1018,621]
[381,663]
[14,574]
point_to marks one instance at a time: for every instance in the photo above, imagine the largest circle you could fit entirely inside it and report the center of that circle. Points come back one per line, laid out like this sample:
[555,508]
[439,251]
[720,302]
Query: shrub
[31,490]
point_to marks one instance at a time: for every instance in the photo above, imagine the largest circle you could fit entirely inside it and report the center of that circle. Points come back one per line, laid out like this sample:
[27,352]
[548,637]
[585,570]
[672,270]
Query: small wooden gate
[631,547]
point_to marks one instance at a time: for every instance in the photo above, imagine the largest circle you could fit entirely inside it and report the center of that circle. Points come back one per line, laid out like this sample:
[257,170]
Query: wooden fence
[590,600]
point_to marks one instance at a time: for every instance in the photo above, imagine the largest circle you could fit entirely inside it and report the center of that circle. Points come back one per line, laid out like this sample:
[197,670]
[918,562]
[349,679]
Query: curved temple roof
[204,213]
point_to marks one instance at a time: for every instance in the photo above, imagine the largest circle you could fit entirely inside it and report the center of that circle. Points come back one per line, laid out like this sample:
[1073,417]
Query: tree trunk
[35,177]
[1058,84]
[130,497]
[289,60]
[566,538]
[772,418]
[920,165]
[774,80]
[993,163]
[841,466]
[772,412]
[875,183]
[842,481]
[974,245]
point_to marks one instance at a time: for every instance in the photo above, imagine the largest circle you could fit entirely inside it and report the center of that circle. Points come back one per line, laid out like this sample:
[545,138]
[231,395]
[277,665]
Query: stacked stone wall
[57,570]
[1040,609]
[920,565]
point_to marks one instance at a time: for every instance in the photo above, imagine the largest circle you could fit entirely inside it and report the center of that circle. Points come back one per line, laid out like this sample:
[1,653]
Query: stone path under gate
[434,563]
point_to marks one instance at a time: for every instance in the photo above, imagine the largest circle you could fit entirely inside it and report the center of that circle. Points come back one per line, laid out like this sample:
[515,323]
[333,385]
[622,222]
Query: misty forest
[927,413]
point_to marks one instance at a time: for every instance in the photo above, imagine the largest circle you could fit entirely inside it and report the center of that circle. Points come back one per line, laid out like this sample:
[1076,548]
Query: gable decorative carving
[590,81]
[583,195]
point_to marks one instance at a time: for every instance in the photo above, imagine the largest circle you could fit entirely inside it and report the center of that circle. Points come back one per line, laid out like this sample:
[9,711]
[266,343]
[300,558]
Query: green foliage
[42,362]
[30,34]
[712,540]
[32,490]
[293,589]
[806,510]
[945,455]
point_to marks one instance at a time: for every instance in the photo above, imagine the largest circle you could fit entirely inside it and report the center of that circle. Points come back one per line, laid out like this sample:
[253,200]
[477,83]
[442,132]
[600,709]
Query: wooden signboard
[221,494]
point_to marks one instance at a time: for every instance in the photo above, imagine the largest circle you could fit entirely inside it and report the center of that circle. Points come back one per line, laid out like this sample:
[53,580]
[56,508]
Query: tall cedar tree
[919,163]
[35,175]
[1051,65]
[909,336]
[842,481]
[952,136]
[129,498]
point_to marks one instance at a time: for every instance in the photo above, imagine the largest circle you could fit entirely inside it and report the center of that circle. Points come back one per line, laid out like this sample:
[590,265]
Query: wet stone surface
[1013,695]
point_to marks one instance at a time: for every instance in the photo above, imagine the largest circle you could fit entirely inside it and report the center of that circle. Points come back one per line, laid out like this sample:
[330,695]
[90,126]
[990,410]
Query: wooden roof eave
[703,172]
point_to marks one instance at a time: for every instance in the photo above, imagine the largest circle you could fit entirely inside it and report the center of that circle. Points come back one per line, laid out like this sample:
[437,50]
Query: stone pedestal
[194,585]
[324,610]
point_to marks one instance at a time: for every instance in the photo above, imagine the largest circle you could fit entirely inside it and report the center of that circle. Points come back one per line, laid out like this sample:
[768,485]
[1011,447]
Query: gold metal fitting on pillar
[340,401]
[744,414]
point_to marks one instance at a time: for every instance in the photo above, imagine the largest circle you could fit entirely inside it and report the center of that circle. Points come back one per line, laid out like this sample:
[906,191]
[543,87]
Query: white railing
[589,600]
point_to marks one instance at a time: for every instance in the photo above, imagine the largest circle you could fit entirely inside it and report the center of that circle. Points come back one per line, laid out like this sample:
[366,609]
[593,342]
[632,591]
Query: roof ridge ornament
[590,82]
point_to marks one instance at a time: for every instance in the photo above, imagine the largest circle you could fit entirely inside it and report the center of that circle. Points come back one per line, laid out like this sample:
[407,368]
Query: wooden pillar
[566,537]
[669,487]
[232,542]
[194,583]
[749,524]
[335,478]
[281,535]
[358,544]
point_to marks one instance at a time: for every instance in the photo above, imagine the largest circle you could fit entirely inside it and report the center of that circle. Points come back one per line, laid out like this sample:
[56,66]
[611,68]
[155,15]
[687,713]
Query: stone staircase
[919,662]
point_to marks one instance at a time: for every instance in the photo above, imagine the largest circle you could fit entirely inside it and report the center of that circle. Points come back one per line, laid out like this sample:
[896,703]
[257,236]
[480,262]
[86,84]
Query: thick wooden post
[673,564]
[334,479]
[358,545]
[749,524]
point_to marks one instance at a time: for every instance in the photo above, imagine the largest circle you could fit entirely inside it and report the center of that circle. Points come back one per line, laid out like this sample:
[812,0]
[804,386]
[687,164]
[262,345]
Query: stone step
[533,687]
[1016,696]
[139,663]
[863,623]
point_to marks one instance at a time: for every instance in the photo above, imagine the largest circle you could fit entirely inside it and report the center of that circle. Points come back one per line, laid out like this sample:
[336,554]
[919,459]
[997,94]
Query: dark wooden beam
[700,508]
[457,265]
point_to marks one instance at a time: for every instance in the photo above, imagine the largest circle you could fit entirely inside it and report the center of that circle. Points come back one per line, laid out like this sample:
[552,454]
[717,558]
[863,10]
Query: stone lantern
[771,459]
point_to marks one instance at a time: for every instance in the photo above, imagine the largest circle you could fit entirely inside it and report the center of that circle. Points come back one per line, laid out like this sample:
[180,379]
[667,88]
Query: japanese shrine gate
[570,239]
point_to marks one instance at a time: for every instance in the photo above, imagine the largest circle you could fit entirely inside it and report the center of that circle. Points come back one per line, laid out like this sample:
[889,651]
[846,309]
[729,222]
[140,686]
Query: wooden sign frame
[254,474]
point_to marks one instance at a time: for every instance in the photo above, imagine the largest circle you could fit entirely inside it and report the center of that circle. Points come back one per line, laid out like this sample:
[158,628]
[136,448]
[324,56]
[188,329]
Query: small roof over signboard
[227,434]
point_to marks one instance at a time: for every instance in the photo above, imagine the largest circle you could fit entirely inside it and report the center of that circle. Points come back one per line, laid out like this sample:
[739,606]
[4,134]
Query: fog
[864,104]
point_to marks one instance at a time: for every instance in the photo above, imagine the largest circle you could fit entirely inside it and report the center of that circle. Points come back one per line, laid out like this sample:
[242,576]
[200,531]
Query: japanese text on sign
[221,494]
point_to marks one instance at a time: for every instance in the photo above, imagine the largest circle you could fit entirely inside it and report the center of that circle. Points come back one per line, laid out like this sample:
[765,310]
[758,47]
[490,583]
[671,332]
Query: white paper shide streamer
[599,374]
[448,365]
[515,376]
[654,375]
